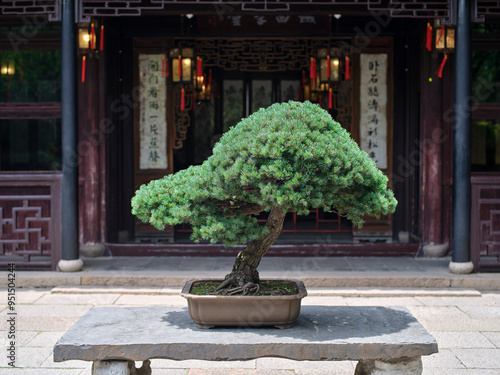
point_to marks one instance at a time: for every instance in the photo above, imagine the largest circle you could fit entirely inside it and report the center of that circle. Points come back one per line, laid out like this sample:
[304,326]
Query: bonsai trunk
[244,274]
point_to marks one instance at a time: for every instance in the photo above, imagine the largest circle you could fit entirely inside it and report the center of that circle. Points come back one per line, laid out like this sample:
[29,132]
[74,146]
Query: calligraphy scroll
[373,107]
[153,122]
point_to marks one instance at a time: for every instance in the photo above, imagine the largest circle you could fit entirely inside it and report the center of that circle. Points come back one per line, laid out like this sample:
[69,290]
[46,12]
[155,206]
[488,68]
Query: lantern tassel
[428,43]
[92,35]
[328,66]
[330,99]
[347,68]
[440,72]
[312,73]
[84,65]
[183,99]
[101,45]
[179,68]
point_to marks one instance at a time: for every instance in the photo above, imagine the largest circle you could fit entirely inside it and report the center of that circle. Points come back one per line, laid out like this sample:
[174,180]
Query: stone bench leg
[408,366]
[120,368]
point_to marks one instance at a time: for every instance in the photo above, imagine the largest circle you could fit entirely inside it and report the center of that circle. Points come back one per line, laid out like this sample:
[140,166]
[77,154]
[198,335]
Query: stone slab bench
[385,340]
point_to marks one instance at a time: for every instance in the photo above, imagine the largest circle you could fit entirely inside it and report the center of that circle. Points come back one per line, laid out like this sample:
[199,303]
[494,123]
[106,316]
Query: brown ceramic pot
[244,311]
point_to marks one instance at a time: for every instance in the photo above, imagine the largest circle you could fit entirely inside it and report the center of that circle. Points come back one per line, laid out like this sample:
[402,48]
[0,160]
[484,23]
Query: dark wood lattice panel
[257,55]
[396,8]
[30,220]
[31,8]
[485,219]
[488,7]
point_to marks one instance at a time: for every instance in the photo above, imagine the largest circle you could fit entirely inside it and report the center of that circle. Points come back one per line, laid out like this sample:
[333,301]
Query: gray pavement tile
[450,319]
[334,370]
[456,371]
[195,363]
[49,363]
[271,263]
[41,323]
[25,295]
[457,301]
[482,312]
[238,372]
[168,371]
[150,300]
[77,299]
[494,337]
[22,337]
[45,339]
[50,310]
[197,263]
[282,363]
[27,357]
[382,301]
[163,263]
[40,371]
[223,264]
[364,263]
[444,359]
[447,340]
[479,358]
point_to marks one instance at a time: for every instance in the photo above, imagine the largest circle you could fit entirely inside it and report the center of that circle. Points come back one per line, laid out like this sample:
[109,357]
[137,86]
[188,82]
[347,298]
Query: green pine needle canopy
[291,155]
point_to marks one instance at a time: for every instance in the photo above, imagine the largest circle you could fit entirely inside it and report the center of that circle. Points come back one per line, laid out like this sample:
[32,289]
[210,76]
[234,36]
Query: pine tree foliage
[291,155]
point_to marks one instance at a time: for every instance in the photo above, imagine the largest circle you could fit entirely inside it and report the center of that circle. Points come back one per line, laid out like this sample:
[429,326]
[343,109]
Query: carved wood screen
[30,222]
[260,55]
[485,221]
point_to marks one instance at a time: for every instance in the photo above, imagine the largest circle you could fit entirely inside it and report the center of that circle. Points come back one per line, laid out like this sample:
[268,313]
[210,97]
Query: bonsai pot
[209,311]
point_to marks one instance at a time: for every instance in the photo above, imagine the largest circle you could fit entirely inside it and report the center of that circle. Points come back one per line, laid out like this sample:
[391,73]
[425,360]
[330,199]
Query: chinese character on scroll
[153,123]
[373,107]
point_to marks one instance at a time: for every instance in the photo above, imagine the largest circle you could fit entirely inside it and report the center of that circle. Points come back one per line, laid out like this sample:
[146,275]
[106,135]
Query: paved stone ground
[465,323]
[313,271]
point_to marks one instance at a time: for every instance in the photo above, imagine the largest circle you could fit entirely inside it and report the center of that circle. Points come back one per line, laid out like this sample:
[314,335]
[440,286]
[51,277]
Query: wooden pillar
[433,137]
[93,130]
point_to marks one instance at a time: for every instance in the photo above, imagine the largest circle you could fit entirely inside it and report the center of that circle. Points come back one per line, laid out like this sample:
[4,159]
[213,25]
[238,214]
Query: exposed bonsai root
[245,289]
[239,286]
[224,284]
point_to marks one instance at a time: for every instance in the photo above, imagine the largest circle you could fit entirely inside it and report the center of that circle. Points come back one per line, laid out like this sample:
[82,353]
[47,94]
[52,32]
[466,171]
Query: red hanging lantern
[428,43]
[330,98]
[347,68]
[441,67]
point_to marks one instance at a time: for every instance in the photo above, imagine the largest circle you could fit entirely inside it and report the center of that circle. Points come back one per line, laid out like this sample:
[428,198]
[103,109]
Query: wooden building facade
[157,82]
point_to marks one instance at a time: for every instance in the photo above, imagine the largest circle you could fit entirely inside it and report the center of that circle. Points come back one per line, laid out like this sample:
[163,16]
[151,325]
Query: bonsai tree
[288,157]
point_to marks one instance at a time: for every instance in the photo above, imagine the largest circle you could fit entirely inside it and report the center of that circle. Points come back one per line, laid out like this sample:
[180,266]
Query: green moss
[267,288]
